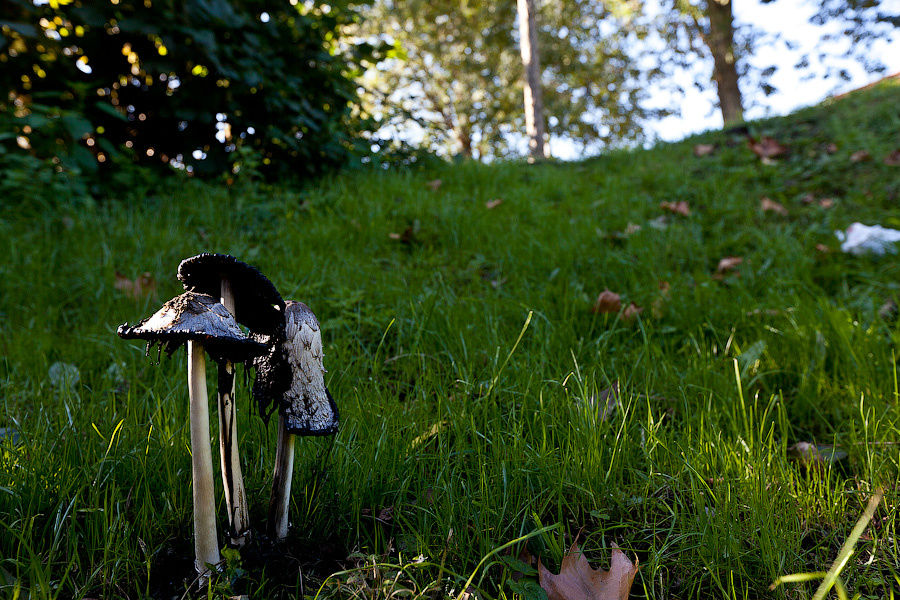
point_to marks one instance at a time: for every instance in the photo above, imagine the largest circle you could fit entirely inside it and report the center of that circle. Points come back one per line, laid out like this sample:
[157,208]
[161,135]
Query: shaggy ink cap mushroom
[307,405]
[257,304]
[198,317]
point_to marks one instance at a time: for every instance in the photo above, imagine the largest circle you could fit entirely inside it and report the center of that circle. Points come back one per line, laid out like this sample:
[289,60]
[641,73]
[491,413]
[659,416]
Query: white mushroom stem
[206,544]
[232,478]
[279,504]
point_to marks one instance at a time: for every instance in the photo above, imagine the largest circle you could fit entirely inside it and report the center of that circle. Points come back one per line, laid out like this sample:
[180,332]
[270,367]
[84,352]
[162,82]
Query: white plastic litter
[862,239]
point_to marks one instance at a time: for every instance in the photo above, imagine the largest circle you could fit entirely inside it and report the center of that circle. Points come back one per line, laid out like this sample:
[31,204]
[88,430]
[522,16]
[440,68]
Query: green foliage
[471,439]
[157,81]
[454,72]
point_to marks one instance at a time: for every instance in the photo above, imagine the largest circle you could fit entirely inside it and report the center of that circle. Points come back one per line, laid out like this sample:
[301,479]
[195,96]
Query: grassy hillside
[469,368]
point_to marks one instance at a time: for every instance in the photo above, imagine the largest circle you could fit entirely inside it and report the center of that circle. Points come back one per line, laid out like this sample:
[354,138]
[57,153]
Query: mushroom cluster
[284,346]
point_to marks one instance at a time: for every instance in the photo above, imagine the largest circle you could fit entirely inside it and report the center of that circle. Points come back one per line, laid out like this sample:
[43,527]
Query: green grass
[472,439]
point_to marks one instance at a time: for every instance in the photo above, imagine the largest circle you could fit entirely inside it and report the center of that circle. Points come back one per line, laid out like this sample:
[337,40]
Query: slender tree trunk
[721,44]
[534,96]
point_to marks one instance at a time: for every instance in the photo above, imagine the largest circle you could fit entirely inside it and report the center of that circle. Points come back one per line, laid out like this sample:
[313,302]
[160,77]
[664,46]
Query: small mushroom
[255,303]
[200,322]
[306,406]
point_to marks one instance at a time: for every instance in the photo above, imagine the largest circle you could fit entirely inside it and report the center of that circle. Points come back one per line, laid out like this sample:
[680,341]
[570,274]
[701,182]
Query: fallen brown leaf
[607,302]
[143,286]
[704,149]
[679,208]
[826,203]
[893,159]
[822,248]
[766,147]
[769,205]
[434,185]
[493,203]
[729,263]
[631,312]
[578,581]
[860,156]
[831,148]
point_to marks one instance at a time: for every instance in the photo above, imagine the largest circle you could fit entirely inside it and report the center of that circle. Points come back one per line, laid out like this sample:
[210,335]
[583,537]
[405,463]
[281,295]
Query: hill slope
[473,373]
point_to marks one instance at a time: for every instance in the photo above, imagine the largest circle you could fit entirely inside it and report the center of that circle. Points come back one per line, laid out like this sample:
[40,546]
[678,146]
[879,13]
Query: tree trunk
[534,97]
[721,44]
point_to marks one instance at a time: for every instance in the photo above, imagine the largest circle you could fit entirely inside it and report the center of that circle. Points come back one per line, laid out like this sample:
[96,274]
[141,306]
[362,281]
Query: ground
[473,370]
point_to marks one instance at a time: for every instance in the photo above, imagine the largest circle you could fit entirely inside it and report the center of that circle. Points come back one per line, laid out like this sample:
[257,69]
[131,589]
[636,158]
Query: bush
[197,84]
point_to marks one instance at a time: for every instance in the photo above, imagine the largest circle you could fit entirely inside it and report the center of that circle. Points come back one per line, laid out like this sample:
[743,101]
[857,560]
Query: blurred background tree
[203,85]
[454,74]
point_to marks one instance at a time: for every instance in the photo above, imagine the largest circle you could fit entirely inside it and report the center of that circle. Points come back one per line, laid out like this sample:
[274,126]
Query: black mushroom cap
[257,304]
[198,317]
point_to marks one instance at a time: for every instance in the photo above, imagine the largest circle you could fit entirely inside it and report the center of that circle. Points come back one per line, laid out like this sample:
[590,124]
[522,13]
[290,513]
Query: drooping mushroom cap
[257,304]
[199,317]
[292,375]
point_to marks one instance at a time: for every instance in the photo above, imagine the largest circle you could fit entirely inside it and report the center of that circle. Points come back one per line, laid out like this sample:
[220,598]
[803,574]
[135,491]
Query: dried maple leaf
[434,185]
[578,581]
[607,302]
[893,159]
[860,156]
[769,205]
[704,149]
[143,286]
[679,208]
[493,203]
[728,264]
[631,312]
[766,147]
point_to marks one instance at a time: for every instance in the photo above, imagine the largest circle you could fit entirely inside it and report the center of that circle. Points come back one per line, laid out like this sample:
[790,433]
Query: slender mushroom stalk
[232,478]
[254,302]
[206,541]
[279,505]
[306,408]
[203,324]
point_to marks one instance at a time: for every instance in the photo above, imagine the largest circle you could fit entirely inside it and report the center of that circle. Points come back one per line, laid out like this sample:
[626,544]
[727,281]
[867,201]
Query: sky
[796,88]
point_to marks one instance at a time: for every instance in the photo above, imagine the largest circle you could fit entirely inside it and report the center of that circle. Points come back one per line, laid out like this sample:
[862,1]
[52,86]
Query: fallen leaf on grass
[679,208]
[607,302]
[704,149]
[434,185]
[811,454]
[631,229]
[769,205]
[631,312]
[606,400]
[822,248]
[860,156]
[578,581]
[657,308]
[493,203]
[826,203]
[728,264]
[766,147]
[143,286]
[893,159]
[888,311]
[831,148]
